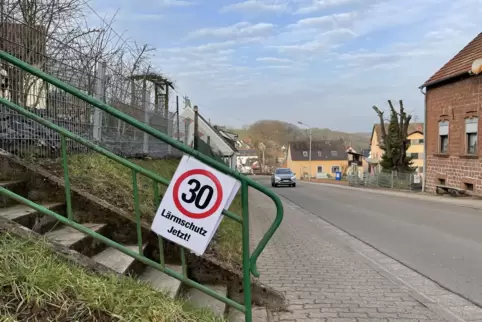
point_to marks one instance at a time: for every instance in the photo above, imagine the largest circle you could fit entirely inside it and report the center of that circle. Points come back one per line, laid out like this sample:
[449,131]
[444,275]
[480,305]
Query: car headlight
[293,178]
[277,178]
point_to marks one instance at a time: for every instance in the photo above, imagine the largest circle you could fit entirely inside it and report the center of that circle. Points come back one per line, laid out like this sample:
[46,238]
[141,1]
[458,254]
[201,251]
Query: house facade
[327,158]
[453,103]
[416,149]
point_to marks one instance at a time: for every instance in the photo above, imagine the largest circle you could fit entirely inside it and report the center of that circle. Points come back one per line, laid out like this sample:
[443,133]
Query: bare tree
[54,36]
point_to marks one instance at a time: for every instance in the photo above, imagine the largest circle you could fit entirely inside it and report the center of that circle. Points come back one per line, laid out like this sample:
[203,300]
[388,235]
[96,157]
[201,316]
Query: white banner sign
[190,212]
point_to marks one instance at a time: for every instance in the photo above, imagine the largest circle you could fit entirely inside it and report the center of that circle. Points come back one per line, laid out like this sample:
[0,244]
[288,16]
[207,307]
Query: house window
[305,153]
[334,153]
[319,169]
[416,141]
[335,169]
[420,169]
[319,153]
[414,155]
[471,135]
[443,132]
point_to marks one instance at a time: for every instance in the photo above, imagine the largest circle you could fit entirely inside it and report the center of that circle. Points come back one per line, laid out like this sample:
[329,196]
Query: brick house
[453,106]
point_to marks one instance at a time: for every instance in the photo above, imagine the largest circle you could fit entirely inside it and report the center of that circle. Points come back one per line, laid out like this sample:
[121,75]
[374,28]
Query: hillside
[281,133]
[358,141]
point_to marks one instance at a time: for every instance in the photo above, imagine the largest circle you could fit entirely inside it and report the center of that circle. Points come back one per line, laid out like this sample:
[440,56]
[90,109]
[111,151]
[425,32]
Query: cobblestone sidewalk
[324,280]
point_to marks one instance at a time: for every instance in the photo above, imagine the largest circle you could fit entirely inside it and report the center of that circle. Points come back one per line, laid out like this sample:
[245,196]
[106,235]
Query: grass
[38,285]
[112,182]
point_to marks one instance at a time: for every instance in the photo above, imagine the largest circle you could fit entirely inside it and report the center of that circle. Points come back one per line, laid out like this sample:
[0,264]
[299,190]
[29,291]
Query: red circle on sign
[208,212]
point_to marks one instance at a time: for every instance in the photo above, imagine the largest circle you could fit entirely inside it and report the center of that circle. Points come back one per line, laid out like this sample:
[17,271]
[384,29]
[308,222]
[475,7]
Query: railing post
[100,94]
[248,314]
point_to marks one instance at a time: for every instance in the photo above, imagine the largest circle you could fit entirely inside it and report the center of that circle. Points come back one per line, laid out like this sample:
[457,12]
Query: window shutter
[443,128]
[471,125]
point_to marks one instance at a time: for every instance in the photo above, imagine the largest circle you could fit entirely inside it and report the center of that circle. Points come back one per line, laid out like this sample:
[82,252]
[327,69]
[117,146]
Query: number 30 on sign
[190,212]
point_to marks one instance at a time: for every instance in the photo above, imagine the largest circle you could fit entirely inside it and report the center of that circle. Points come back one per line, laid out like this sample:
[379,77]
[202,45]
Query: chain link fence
[388,180]
[56,38]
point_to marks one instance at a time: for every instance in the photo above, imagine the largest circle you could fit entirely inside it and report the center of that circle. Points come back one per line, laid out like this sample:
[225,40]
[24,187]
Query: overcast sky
[322,62]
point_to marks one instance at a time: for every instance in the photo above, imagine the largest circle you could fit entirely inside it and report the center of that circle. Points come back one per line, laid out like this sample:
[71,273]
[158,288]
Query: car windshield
[283,171]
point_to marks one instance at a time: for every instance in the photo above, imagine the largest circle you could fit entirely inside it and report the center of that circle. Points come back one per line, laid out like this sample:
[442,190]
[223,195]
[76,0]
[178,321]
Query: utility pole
[309,153]
[309,162]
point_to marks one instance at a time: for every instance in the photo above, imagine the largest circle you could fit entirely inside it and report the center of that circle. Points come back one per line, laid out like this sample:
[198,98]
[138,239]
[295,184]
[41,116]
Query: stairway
[108,256]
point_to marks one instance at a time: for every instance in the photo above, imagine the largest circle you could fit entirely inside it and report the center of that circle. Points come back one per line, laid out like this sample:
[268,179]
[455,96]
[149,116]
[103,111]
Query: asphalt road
[441,241]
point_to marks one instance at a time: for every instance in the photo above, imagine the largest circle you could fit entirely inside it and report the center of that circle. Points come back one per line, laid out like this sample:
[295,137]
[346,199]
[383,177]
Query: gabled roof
[188,115]
[412,128]
[460,64]
[229,137]
[320,150]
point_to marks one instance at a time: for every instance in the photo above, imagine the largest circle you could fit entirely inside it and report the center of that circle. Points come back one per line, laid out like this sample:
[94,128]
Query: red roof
[460,63]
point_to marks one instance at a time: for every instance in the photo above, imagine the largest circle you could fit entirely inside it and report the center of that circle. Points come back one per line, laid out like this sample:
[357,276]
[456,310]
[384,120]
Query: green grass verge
[112,182]
[38,285]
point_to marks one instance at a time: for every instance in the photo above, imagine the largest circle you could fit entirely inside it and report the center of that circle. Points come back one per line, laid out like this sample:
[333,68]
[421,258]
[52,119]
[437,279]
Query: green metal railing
[248,260]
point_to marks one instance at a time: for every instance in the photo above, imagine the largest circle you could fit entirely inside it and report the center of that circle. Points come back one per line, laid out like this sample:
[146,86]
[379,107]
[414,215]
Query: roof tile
[460,63]
[320,150]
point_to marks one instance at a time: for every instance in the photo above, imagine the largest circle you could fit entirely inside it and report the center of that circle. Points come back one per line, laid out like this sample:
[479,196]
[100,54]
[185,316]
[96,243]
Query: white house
[219,143]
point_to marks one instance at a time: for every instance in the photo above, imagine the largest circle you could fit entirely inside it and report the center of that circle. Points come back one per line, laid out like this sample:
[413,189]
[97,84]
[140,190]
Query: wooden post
[196,128]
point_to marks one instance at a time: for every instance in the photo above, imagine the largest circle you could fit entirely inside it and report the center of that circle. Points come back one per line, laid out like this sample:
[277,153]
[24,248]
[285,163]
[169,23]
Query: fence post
[145,106]
[100,94]
[196,128]
[170,130]
[392,179]
[177,116]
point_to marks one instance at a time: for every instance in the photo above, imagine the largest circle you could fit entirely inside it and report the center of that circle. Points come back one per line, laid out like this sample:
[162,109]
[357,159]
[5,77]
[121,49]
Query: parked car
[283,177]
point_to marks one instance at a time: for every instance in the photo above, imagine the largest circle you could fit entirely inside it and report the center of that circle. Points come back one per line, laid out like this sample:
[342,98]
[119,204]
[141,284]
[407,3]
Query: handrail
[164,137]
[113,244]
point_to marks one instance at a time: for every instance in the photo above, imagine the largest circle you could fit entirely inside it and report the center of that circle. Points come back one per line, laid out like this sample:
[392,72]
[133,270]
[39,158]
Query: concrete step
[20,211]
[259,315]
[68,236]
[163,282]
[16,186]
[201,300]
[115,259]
